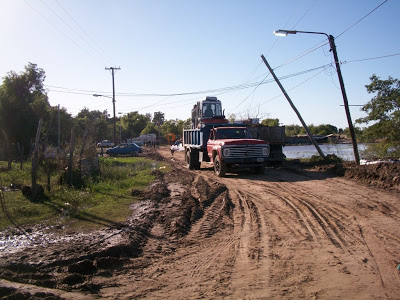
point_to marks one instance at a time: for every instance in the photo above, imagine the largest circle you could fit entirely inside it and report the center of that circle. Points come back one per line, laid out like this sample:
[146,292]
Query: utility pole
[113,69]
[283,32]
[346,103]
[294,108]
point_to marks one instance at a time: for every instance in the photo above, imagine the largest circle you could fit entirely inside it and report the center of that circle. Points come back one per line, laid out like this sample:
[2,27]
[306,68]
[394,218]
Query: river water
[344,151]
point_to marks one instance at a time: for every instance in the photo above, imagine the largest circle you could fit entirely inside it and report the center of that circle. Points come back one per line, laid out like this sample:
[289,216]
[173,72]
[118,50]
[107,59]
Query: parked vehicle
[105,143]
[177,146]
[124,149]
[212,139]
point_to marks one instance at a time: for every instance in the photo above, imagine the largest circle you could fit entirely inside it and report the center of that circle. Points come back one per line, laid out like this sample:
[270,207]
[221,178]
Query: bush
[381,150]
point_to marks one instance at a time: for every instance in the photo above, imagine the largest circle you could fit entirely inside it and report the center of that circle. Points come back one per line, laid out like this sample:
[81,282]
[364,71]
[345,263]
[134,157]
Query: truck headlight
[225,152]
[265,151]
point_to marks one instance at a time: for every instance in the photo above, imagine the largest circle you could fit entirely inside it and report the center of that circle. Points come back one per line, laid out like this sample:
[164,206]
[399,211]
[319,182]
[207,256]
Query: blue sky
[166,47]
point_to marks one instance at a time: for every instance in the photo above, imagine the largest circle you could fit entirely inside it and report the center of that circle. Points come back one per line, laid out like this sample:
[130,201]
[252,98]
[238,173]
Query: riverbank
[344,151]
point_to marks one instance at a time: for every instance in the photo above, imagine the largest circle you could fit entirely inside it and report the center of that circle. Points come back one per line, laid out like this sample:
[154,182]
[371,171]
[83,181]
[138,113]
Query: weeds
[101,200]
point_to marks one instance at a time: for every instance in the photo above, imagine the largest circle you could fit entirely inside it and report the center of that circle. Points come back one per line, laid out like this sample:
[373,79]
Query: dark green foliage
[270,122]
[323,129]
[23,101]
[133,123]
[383,111]
[95,122]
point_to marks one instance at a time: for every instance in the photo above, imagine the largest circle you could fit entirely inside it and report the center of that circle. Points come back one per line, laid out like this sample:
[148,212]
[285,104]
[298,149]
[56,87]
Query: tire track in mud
[315,218]
[332,221]
[312,238]
[251,270]
[319,221]
[343,221]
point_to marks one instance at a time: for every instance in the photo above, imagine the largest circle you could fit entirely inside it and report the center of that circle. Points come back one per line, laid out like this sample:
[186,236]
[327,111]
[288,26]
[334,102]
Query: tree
[158,118]
[170,126]
[150,128]
[384,111]
[133,123]
[325,129]
[270,122]
[23,101]
[291,130]
[66,123]
[182,124]
[95,122]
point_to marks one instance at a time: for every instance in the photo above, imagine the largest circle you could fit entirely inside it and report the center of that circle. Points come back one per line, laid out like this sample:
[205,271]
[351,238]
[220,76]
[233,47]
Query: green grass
[103,200]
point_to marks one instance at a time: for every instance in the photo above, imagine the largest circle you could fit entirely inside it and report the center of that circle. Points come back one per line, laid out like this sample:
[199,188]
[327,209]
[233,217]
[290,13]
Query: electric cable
[361,19]
[81,28]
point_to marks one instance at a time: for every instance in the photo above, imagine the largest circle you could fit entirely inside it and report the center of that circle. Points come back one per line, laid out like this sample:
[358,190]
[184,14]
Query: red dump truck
[227,146]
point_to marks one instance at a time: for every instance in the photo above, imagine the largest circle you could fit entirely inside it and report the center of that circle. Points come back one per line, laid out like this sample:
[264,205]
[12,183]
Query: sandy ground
[288,234]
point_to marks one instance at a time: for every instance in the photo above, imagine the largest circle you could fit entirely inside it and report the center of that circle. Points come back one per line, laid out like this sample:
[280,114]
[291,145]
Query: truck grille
[241,151]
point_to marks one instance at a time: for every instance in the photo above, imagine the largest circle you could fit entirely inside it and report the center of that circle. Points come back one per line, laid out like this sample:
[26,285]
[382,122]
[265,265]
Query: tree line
[24,101]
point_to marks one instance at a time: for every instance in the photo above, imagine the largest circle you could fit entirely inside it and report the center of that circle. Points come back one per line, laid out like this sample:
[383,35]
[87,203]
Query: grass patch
[103,200]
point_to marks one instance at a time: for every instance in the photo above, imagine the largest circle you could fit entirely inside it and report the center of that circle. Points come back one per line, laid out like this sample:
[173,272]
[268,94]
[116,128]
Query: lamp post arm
[312,32]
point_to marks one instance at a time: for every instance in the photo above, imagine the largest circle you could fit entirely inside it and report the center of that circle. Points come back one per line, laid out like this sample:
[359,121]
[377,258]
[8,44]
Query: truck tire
[195,158]
[189,160]
[219,167]
[192,160]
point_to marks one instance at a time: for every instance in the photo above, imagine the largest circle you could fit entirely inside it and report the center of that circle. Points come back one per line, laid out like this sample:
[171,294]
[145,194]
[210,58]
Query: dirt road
[287,234]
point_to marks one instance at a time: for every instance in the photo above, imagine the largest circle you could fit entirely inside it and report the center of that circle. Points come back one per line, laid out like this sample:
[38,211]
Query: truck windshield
[231,133]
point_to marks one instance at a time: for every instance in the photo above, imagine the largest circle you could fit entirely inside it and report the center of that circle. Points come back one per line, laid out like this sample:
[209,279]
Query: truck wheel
[189,160]
[219,167]
[195,158]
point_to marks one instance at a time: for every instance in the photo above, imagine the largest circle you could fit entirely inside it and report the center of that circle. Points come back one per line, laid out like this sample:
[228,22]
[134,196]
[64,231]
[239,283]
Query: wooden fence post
[71,157]
[7,150]
[35,160]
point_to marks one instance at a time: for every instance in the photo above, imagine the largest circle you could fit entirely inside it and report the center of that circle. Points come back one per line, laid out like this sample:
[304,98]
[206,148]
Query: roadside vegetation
[102,200]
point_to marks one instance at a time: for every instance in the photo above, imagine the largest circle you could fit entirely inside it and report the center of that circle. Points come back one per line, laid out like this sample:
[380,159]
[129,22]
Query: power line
[301,55]
[81,28]
[62,32]
[280,95]
[325,43]
[71,28]
[217,90]
[362,18]
[371,58]
[55,27]
[305,13]
[252,92]
[269,81]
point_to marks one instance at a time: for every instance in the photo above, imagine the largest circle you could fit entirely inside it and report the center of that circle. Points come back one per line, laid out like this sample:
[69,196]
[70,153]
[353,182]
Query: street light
[331,39]
[113,100]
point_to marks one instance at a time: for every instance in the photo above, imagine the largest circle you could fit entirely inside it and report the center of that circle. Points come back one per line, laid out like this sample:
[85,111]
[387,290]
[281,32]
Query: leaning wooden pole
[71,157]
[294,108]
[35,159]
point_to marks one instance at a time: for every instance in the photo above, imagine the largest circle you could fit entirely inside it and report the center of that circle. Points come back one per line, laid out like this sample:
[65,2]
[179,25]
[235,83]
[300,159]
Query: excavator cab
[207,111]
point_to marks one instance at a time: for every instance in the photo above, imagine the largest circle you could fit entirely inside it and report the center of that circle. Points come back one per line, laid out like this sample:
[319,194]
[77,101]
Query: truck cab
[233,148]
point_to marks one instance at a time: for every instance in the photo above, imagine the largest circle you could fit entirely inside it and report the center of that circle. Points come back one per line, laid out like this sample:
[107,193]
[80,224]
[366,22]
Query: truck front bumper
[246,162]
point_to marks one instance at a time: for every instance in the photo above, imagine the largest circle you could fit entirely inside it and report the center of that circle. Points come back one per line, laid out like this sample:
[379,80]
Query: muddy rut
[287,234]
